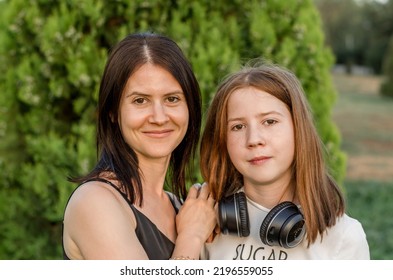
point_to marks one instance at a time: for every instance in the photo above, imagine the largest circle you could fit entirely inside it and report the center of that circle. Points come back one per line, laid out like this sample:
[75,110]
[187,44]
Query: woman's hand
[195,221]
[197,216]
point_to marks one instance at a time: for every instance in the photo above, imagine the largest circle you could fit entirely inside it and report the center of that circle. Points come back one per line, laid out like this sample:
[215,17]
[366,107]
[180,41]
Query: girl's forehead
[251,94]
[252,101]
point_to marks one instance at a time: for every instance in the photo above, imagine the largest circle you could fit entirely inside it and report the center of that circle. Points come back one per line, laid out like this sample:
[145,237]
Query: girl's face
[153,113]
[260,137]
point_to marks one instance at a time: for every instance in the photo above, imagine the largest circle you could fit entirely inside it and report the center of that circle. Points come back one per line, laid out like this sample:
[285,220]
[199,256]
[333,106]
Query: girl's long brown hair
[319,196]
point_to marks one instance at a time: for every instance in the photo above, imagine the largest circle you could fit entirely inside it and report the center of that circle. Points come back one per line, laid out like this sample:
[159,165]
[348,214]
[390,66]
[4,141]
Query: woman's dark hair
[115,156]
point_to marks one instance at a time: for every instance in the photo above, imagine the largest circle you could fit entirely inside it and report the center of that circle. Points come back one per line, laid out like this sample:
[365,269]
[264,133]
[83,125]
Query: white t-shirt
[345,240]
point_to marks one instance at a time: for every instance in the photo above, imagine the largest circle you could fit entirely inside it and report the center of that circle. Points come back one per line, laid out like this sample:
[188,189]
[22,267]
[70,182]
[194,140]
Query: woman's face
[260,137]
[153,113]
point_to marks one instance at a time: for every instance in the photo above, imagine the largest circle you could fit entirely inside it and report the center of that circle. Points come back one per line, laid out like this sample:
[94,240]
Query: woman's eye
[173,99]
[139,100]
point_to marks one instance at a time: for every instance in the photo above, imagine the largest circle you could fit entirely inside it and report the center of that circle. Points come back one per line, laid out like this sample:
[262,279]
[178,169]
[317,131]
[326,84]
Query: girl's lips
[258,160]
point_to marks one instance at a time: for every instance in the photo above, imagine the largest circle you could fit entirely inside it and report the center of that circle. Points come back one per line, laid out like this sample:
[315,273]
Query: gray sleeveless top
[156,245]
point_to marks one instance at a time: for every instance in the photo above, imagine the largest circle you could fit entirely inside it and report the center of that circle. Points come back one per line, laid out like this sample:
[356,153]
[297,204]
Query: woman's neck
[153,173]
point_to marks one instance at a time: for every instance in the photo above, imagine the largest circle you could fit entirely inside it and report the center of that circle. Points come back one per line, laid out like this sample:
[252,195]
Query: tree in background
[387,82]
[379,23]
[342,22]
[52,54]
[386,88]
[357,31]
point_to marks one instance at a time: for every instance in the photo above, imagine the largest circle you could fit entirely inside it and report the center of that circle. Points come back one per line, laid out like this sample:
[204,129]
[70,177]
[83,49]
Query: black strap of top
[107,182]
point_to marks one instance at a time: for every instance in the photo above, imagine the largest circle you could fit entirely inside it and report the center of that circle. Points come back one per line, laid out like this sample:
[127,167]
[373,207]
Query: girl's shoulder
[348,223]
[349,238]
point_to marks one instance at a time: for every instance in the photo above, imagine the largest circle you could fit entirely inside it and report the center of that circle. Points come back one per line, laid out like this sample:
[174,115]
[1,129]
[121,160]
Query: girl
[262,158]
[148,122]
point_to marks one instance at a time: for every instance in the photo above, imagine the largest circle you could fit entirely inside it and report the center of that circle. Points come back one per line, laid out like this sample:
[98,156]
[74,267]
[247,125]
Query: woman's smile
[158,133]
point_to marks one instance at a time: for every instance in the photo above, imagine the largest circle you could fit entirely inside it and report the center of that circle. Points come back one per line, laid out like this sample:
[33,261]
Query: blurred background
[360,35]
[52,54]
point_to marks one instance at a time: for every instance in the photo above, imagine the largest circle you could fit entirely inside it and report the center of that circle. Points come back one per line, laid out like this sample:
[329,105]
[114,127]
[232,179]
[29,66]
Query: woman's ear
[112,117]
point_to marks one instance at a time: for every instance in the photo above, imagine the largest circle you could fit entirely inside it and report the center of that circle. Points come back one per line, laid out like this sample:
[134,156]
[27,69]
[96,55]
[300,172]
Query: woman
[149,114]
[263,160]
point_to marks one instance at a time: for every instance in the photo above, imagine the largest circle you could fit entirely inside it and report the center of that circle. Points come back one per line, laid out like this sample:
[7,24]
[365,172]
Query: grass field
[366,124]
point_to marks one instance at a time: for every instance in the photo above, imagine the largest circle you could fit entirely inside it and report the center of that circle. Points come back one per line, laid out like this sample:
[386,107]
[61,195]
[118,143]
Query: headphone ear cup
[283,226]
[264,230]
[233,215]
[244,225]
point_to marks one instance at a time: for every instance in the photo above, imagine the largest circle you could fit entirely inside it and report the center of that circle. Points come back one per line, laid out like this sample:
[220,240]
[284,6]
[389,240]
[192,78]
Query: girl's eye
[270,122]
[237,127]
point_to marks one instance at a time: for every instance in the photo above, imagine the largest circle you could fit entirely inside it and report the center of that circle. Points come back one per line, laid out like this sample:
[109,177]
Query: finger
[204,192]
[217,230]
[194,191]
[211,237]
[211,201]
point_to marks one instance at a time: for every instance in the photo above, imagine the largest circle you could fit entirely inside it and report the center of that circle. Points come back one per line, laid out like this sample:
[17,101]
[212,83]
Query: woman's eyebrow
[146,94]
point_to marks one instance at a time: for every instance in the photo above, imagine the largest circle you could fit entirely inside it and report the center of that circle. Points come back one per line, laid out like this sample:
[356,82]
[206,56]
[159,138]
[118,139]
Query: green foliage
[48,98]
[53,53]
[369,202]
[387,84]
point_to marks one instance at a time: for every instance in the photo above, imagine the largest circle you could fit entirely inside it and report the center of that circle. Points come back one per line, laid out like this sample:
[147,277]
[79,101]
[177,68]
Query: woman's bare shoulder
[95,214]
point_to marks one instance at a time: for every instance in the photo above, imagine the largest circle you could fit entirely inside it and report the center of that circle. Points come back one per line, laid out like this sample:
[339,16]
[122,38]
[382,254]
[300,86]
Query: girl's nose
[255,136]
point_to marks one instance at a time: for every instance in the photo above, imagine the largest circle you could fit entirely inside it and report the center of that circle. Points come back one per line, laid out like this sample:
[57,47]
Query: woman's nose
[158,114]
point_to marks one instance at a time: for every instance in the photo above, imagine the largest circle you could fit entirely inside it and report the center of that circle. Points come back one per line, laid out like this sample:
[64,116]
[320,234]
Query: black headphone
[283,226]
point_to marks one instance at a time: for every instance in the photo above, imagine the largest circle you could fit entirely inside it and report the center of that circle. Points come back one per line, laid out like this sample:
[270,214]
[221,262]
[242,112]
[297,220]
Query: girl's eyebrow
[273,112]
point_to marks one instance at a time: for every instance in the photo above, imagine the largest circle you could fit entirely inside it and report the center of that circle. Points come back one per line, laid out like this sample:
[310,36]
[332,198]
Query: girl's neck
[270,195]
